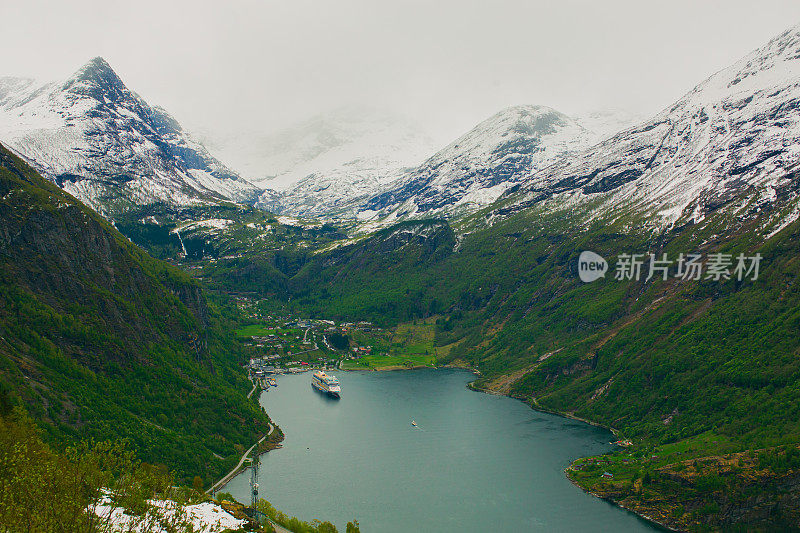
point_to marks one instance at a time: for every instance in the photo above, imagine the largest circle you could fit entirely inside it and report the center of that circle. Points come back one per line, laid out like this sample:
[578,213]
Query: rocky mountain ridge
[733,142]
[104,144]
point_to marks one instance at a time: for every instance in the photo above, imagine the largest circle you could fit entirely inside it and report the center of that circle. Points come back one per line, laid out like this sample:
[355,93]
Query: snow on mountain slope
[477,168]
[104,144]
[734,141]
[605,123]
[326,161]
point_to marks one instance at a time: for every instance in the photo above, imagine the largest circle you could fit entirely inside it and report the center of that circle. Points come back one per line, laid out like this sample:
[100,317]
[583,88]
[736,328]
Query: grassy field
[261,330]
[379,362]
[290,339]
[255,330]
[405,346]
[408,345]
[629,465]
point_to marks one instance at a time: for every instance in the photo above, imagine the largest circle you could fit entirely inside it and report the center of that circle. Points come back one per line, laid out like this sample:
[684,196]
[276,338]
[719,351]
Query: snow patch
[205,517]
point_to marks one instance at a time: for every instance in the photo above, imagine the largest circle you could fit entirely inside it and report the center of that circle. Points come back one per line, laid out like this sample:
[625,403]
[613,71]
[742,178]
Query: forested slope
[99,340]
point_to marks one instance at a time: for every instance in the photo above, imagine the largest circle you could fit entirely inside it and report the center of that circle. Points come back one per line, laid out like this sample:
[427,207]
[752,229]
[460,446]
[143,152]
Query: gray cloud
[265,64]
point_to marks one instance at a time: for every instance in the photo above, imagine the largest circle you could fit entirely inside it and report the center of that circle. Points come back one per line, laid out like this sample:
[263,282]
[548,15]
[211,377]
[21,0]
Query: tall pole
[254,486]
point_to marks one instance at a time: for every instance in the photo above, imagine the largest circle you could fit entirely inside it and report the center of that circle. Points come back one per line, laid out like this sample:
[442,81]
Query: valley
[146,288]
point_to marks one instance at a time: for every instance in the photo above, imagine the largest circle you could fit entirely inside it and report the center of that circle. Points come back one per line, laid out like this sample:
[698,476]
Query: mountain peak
[479,166]
[97,67]
[511,125]
[97,62]
[106,144]
[726,145]
[96,79]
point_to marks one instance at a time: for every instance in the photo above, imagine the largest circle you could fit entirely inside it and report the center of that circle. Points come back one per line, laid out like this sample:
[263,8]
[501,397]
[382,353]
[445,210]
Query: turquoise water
[476,462]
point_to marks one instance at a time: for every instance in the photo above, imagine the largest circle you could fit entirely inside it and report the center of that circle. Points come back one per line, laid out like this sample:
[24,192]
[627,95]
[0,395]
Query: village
[280,342]
[283,344]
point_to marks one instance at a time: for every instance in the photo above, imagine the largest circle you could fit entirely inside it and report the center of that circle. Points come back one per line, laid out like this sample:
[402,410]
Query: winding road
[227,477]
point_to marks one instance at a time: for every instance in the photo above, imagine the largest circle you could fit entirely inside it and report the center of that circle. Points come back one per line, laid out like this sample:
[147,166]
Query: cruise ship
[325,383]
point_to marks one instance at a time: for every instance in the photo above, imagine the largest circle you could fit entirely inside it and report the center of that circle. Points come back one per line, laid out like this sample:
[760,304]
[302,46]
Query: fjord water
[476,462]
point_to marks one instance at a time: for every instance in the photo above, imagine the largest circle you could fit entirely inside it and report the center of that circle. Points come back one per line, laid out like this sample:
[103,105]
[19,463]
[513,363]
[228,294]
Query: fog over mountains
[359,162]
[103,143]
[731,141]
[737,130]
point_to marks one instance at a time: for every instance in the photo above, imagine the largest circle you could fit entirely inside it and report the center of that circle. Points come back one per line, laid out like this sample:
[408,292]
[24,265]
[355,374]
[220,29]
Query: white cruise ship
[325,383]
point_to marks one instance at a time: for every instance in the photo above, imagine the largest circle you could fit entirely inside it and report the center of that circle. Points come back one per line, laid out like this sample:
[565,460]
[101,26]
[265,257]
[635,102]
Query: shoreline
[536,407]
[216,487]
[653,521]
[392,368]
[532,404]
[256,449]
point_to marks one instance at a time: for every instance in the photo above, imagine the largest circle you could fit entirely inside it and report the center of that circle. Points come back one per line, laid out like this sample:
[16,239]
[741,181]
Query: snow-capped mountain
[104,144]
[733,141]
[475,169]
[325,162]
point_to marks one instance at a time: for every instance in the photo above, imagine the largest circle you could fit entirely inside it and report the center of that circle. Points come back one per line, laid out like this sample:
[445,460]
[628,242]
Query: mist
[262,65]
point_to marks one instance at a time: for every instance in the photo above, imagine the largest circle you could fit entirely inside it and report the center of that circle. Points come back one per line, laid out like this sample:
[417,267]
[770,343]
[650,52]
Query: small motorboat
[414,423]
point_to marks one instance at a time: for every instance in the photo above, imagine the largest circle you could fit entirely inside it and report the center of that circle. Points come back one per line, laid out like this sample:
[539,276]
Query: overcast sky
[262,64]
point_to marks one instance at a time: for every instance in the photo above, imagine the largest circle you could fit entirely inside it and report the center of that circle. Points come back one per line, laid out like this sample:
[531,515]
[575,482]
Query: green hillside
[510,294]
[660,361]
[99,340]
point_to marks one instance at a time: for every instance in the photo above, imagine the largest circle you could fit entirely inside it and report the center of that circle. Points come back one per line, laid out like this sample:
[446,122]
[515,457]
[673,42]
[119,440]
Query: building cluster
[357,326]
[268,341]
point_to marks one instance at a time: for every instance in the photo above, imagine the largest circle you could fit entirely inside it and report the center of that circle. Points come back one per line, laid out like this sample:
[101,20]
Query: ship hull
[330,394]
